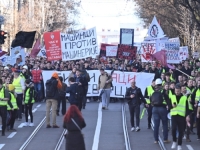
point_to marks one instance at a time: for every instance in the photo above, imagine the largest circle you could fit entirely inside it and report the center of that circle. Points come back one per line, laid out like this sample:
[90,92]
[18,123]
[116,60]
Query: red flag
[2,53]
[36,49]
[161,57]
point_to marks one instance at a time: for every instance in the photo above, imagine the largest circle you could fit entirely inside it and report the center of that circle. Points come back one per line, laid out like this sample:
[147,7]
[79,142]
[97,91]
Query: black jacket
[72,90]
[56,93]
[74,138]
[139,97]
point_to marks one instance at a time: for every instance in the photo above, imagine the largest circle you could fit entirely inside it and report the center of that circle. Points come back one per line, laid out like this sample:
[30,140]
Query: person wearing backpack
[75,93]
[81,86]
[52,97]
[62,99]
[86,78]
[135,98]
[159,101]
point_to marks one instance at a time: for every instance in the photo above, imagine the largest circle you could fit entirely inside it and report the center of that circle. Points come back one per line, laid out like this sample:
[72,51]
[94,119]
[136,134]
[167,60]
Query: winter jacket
[36,75]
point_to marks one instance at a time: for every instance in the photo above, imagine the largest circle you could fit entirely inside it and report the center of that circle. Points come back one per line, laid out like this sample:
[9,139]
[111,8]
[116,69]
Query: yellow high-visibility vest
[13,102]
[17,85]
[150,91]
[2,95]
[180,107]
[27,96]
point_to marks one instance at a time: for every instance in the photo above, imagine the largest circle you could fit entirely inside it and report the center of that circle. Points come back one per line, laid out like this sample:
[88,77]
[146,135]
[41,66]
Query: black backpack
[157,98]
[78,92]
[50,90]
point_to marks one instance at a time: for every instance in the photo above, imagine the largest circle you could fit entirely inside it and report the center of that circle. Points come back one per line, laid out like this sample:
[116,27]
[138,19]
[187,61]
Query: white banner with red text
[121,81]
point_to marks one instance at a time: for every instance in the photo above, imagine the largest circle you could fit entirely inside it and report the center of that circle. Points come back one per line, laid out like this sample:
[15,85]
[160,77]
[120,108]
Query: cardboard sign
[127,36]
[148,48]
[53,45]
[111,51]
[126,52]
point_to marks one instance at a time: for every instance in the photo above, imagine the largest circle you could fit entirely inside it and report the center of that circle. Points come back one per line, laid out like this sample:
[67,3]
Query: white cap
[158,81]
[6,68]
[25,67]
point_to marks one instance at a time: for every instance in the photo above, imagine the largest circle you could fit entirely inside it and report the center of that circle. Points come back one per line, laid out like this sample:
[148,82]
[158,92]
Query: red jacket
[36,74]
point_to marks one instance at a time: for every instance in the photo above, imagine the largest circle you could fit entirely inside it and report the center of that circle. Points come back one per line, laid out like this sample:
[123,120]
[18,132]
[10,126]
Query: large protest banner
[17,55]
[80,45]
[172,49]
[147,49]
[111,51]
[126,52]
[121,81]
[53,45]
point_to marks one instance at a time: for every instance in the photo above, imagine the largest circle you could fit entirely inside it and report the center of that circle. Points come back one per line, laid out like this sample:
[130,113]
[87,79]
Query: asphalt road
[103,131]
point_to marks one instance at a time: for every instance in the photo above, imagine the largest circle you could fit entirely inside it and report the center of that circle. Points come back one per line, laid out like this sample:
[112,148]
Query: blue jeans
[37,87]
[160,113]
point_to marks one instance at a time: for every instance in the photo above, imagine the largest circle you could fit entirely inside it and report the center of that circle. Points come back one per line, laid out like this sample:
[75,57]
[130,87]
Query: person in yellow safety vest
[159,102]
[148,92]
[171,75]
[198,121]
[179,111]
[11,108]
[29,101]
[19,85]
[188,95]
[171,89]
[4,98]
[190,90]
[167,78]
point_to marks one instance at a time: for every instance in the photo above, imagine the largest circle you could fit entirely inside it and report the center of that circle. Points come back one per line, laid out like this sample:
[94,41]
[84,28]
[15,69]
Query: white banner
[111,50]
[17,55]
[121,81]
[183,53]
[80,45]
[155,31]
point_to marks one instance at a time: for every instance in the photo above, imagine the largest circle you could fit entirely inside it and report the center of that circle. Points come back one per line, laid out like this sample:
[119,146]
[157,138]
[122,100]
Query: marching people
[159,101]
[37,78]
[11,108]
[4,98]
[105,84]
[52,96]
[29,101]
[74,123]
[198,121]
[81,86]
[179,111]
[148,92]
[62,99]
[135,98]
[18,83]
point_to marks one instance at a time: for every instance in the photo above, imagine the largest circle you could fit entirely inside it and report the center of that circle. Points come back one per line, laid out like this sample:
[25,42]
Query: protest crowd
[174,88]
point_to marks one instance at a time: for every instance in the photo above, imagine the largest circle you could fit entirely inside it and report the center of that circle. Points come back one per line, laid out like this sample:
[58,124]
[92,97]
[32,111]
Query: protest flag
[2,53]
[24,39]
[161,57]
[36,49]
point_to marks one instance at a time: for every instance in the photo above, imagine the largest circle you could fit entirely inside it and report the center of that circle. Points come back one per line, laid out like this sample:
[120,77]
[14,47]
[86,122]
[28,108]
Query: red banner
[53,45]
[126,52]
